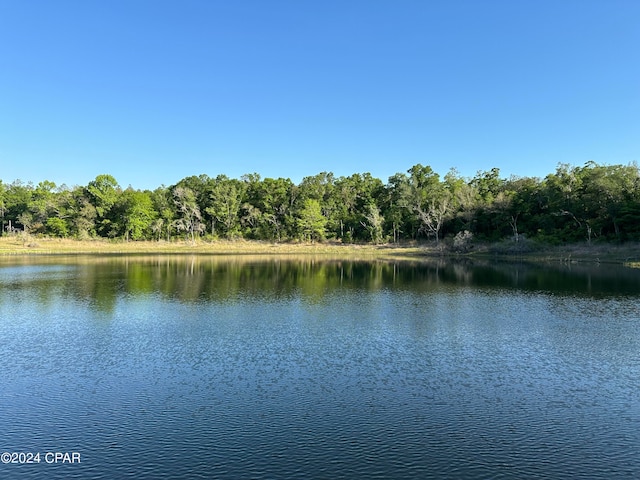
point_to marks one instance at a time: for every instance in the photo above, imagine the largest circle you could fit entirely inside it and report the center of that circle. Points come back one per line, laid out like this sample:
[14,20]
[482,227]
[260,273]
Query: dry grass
[627,254]
[16,245]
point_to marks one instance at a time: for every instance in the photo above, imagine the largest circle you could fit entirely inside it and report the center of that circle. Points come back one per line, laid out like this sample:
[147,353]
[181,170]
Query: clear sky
[152,91]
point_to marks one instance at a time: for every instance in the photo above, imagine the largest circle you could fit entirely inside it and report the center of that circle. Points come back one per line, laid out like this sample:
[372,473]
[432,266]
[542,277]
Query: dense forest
[589,203]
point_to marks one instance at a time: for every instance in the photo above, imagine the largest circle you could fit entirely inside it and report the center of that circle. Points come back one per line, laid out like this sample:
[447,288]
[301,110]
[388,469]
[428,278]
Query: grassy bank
[16,245]
[627,254]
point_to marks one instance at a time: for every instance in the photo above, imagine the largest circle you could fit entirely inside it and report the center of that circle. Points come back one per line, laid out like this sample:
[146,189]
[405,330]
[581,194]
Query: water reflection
[237,367]
[102,280]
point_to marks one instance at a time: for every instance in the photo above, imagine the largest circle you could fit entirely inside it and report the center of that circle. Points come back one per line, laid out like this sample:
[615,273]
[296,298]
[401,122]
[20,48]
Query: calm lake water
[222,367]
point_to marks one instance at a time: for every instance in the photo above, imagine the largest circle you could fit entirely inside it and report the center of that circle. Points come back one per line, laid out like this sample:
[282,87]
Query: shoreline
[12,246]
[626,254]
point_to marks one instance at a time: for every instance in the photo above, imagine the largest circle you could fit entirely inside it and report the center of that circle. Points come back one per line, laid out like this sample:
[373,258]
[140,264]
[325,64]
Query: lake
[205,367]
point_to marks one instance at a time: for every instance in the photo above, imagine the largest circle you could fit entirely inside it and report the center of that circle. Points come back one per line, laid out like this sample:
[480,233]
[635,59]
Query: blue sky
[154,91]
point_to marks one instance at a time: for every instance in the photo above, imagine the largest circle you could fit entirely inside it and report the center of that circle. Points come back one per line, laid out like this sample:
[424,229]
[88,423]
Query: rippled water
[202,367]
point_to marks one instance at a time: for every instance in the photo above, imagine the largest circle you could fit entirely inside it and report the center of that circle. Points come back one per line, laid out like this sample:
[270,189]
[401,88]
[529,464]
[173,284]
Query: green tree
[189,217]
[464,201]
[488,184]
[488,217]
[607,192]
[321,187]
[2,207]
[317,187]
[17,199]
[82,214]
[268,207]
[200,186]
[561,203]
[373,223]
[397,206]
[57,226]
[311,223]
[225,201]
[136,214]
[429,199]
[41,206]
[346,198]
[525,205]
[351,198]
[103,193]
[165,206]
[59,213]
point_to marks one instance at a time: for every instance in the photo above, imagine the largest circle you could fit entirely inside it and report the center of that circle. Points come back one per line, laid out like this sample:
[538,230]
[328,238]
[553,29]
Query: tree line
[575,203]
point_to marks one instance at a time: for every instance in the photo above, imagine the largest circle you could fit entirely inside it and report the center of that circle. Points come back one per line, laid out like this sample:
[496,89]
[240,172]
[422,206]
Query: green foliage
[225,197]
[103,193]
[136,214]
[83,215]
[57,227]
[373,223]
[350,199]
[431,201]
[188,212]
[488,185]
[310,221]
[267,208]
[2,207]
[590,202]
[165,209]
[17,197]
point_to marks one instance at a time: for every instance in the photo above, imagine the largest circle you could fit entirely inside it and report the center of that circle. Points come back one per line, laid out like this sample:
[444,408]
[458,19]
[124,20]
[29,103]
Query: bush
[462,241]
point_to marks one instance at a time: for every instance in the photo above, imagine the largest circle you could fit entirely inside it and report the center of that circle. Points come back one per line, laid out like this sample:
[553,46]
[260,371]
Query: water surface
[209,367]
